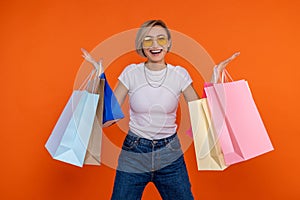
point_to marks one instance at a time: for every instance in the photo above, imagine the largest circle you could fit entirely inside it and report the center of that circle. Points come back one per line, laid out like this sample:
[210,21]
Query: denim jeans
[159,161]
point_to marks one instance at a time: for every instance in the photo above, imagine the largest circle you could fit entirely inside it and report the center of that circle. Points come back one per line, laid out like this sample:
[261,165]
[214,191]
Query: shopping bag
[112,111]
[206,84]
[208,152]
[93,154]
[237,122]
[69,139]
[189,132]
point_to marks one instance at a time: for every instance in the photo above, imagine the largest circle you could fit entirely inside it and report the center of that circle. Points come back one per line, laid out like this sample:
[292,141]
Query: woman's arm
[190,94]
[120,92]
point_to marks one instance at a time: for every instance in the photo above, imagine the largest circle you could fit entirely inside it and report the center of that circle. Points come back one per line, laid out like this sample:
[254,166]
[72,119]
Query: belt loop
[138,139]
[165,141]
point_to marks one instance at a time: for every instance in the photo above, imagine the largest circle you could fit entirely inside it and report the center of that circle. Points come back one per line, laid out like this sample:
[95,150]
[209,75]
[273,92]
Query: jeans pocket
[129,144]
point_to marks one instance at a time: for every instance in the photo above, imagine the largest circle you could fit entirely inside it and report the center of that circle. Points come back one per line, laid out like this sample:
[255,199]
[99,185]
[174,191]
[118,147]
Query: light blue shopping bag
[69,139]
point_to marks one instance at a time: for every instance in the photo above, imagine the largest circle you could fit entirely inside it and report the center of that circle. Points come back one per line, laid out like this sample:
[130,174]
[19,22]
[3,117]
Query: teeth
[156,51]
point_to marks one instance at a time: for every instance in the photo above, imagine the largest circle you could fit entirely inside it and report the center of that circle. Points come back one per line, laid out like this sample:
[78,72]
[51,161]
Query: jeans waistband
[148,142]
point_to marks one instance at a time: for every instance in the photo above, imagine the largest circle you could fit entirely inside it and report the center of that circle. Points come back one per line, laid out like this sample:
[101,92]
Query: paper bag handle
[225,76]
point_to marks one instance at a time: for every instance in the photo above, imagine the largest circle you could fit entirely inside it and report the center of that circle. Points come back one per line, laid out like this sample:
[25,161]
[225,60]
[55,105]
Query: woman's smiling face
[155,44]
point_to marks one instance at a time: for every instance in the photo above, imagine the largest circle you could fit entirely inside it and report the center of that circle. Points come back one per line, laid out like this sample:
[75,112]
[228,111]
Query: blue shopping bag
[112,111]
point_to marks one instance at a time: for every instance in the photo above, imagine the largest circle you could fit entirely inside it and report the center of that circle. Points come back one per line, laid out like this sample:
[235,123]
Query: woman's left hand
[221,66]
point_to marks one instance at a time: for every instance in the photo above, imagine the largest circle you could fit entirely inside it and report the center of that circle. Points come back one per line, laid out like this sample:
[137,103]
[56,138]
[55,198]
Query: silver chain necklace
[162,79]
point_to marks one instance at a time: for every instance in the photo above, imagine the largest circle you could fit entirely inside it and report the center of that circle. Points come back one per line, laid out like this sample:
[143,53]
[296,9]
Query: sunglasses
[160,40]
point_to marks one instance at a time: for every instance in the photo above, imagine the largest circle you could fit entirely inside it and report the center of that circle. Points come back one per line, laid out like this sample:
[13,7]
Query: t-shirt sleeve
[124,77]
[186,79]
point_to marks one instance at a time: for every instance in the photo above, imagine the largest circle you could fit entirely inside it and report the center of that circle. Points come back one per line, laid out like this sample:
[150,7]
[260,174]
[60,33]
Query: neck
[155,66]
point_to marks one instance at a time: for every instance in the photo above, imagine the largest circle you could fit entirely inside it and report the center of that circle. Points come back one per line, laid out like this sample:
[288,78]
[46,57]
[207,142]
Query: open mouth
[157,51]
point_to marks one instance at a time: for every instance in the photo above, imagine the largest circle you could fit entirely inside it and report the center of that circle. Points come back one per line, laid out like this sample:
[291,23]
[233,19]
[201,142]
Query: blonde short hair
[144,29]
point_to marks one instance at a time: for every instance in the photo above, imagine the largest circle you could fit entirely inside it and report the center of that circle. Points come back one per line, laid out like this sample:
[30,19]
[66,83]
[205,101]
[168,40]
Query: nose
[155,44]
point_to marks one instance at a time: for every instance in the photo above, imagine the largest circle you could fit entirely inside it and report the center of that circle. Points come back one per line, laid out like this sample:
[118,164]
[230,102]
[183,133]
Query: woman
[151,151]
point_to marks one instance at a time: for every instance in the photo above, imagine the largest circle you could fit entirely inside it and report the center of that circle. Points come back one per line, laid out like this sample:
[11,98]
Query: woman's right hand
[88,57]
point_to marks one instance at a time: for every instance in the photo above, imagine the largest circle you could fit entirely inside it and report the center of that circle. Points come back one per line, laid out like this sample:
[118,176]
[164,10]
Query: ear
[169,44]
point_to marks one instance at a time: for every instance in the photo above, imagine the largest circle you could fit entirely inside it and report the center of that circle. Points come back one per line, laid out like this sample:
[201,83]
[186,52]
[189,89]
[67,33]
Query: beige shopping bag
[93,155]
[208,151]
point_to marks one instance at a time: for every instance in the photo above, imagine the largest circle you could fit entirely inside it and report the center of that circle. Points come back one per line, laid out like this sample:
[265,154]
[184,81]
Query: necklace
[162,80]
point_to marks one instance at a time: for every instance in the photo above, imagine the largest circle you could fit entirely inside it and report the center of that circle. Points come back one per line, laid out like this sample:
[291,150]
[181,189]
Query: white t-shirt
[153,109]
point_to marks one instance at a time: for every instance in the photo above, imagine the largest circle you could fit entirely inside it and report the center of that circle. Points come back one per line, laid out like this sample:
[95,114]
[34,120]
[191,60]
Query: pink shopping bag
[237,121]
[206,84]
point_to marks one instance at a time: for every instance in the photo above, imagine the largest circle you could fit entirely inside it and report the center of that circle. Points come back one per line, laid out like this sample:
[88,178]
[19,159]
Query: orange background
[40,56]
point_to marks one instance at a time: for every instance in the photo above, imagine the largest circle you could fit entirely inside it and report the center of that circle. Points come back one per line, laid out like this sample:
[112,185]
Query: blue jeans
[159,161]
